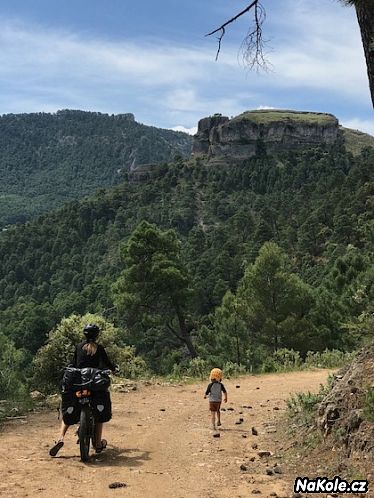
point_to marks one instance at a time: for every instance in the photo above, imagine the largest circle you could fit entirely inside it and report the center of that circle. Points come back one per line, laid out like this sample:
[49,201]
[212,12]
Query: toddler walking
[214,391]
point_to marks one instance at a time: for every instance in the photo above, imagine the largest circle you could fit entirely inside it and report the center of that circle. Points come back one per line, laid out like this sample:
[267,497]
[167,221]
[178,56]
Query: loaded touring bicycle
[86,400]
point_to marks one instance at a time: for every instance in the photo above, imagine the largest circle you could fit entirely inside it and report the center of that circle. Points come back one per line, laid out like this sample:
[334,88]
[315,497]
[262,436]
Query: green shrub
[51,359]
[231,369]
[14,393]
[11,380]
[255,357]
[303,402]
[172,364]
[198,368]
[282,360]
[130,365]
[303,406]
[328,359]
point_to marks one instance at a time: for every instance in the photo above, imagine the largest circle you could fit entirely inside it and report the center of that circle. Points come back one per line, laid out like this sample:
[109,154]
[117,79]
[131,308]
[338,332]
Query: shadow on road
[113,456]
[122,457]
[234,430]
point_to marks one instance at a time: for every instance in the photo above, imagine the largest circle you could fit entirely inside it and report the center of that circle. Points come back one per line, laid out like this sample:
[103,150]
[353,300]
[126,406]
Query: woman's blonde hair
[90,348]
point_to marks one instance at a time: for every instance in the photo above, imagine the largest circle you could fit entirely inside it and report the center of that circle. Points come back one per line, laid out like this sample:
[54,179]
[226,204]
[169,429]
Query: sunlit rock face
[219,137]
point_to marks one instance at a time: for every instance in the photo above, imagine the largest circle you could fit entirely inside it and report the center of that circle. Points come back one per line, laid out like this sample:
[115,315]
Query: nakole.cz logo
[325,485]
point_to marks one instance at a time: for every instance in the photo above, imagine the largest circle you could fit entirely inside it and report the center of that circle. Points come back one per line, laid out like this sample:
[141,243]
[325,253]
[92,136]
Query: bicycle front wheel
[84,434]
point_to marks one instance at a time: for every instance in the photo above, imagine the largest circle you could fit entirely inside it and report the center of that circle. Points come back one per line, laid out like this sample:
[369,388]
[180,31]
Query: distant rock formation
[220,138]
[205,131]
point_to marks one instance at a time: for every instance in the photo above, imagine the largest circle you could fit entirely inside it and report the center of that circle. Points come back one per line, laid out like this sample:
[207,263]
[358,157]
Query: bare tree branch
[219,42]
[247,9]
[253,44]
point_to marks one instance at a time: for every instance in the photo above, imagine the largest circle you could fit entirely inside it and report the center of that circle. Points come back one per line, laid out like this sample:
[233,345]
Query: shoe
[56,448]
[219,424]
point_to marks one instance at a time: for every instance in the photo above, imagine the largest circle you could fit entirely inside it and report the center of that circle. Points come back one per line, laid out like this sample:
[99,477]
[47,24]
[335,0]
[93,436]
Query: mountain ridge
[48,159]
[274,131]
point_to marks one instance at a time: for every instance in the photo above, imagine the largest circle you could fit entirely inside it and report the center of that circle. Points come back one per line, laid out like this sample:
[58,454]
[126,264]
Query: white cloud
[318,46]
[367,126]
[190,131]
[264,107]
[329,72]
[187,100]
[39,53]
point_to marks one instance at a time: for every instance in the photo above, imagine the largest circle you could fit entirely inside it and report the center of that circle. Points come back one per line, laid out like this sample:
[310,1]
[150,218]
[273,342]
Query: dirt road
[160,444]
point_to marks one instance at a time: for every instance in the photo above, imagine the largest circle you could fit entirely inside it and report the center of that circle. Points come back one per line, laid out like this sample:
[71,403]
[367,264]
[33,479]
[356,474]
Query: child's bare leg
[219,417]
[213,414]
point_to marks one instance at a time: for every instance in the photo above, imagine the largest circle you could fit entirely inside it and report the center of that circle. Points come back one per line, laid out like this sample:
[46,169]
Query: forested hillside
[260,255]
[49,159]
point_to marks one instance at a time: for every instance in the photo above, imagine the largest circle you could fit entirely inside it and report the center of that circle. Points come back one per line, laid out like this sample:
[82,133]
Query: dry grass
[271,116]
[355,140]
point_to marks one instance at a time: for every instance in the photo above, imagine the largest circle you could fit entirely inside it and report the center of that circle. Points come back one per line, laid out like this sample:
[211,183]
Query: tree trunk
[237,351]
[365,16]
[191,348]
[185,335]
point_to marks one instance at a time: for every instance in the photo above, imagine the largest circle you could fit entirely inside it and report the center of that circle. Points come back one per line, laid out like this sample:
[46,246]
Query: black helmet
[91,331]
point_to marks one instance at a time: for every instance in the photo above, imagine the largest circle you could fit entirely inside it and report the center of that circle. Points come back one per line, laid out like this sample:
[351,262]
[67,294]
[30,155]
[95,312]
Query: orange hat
[216,374]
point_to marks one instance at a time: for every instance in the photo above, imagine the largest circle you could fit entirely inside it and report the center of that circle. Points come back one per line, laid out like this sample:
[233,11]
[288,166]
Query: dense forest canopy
[49,159]
[212,234]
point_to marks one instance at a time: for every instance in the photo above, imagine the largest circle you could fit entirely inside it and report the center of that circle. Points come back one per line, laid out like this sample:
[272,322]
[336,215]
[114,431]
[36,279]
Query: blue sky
[151,58]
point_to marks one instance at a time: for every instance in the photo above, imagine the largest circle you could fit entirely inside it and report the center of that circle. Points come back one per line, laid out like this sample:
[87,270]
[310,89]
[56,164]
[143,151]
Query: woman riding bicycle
[88,354]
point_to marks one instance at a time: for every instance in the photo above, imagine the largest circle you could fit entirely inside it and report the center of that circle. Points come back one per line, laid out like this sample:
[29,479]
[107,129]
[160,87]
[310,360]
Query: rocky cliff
[220,138]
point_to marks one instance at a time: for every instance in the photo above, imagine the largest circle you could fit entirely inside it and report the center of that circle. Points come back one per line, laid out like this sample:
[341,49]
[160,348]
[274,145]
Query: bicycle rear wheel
[85,433]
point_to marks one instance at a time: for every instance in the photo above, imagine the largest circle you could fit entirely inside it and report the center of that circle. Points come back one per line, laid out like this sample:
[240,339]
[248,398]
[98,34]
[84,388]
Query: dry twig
[253,44]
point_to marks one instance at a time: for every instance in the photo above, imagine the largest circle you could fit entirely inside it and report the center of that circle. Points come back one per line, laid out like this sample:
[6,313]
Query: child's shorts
[214,406]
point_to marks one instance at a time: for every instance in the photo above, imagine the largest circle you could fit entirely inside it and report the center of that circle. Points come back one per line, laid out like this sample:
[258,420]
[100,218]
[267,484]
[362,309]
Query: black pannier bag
[71,377]
[70,408]
[101,406]
[94,379]
[100,403]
